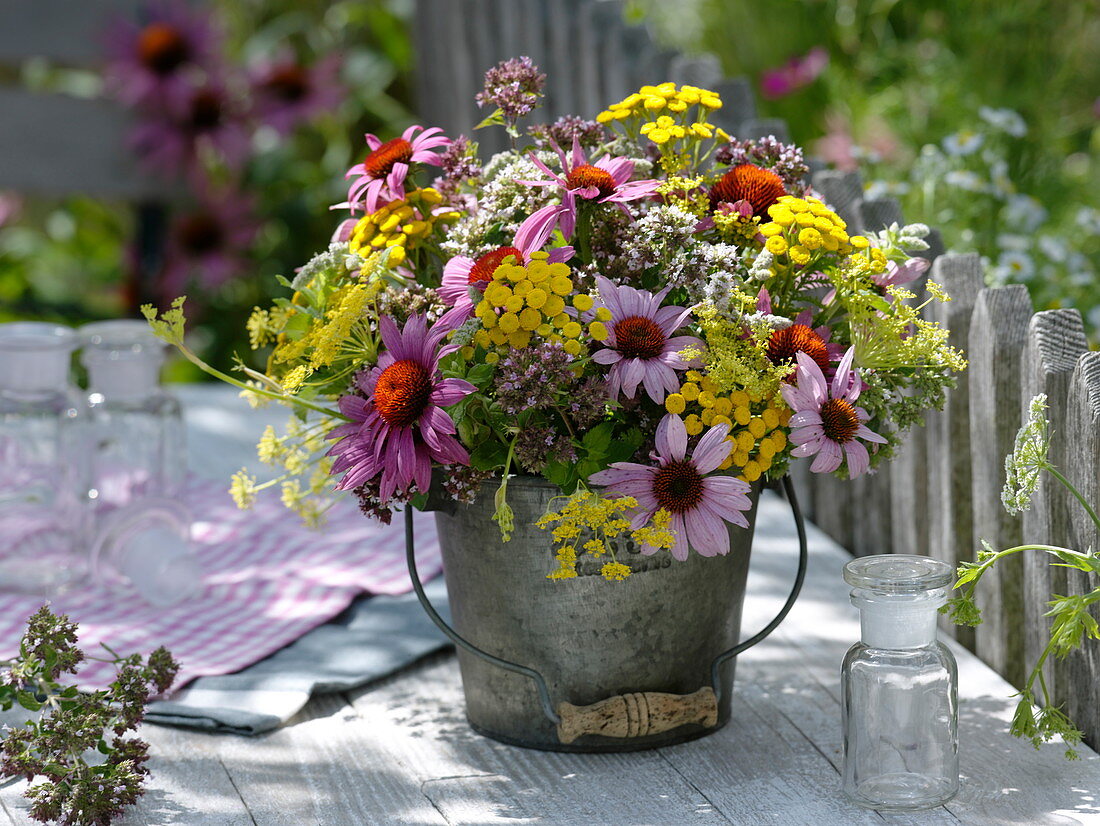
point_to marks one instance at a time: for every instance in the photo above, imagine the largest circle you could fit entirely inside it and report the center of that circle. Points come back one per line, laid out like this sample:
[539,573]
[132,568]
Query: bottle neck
[129,378]
[898,622]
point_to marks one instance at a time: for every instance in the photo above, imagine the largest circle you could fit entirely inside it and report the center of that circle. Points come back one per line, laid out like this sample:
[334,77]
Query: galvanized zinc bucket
[583,664]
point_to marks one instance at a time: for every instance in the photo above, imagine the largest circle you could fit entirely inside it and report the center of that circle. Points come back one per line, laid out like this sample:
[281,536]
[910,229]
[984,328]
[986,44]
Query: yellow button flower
[582,302]
[776,245]
[514,304]
[571,329]
[742,415]
[598,330]
[810,238]
[690,391]
[603,314]
[694,425]
[508,323]
[675,404]
[536,297]
[530,318]
[561,285]
[553,306]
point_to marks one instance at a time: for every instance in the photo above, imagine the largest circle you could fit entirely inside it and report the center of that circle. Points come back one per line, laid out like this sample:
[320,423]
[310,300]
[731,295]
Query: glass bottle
[899,687]
[135,425]
[141,536]
[43,513]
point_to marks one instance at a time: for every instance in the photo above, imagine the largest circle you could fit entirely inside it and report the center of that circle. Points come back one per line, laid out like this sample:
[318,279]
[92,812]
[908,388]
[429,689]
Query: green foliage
[903,77]
[1037,718]
[69,724]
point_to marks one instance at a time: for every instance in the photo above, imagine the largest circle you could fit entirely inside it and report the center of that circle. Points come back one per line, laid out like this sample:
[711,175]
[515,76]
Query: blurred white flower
[1010,241]
[1014,266]
[1088,219]
[962,143]
[1007,120]
[1094,317]
[965,179]
[1024,213]
[885,189]
[1053,247]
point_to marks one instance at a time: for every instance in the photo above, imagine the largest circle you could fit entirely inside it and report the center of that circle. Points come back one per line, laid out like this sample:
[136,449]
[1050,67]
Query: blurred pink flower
[837,148]
[208,243]
[207,119]
[11,204]
[154,60]
[794,74]
[286,93]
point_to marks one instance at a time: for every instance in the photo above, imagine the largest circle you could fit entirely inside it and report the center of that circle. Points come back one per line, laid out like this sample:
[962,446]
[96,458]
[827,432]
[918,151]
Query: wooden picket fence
[941,494]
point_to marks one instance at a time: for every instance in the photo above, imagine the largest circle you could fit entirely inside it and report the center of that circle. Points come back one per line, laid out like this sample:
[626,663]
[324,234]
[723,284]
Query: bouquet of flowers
[649,314]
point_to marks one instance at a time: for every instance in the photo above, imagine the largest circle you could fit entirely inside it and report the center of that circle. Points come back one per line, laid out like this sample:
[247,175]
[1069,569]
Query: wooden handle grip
[638,714]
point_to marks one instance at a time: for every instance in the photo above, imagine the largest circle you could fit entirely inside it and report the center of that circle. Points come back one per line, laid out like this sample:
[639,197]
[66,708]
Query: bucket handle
[635,714]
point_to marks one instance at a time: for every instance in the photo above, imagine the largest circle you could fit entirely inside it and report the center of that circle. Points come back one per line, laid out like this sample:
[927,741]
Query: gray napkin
[373,638]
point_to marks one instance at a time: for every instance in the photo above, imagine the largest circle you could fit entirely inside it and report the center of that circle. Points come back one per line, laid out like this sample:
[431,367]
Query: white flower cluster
[1024,465]
[335,260]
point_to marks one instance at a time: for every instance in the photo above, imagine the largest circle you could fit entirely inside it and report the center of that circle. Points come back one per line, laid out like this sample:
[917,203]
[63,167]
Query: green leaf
[28,701]
[624,446]
[495,119]
[561,474]
[597,440]
[489,455]
[481,374]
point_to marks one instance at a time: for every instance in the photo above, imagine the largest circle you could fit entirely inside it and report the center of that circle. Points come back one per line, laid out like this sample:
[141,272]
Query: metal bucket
[659,630]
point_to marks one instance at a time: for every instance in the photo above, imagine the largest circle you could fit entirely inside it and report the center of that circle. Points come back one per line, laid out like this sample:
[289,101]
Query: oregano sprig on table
[1037,718]
[72,725]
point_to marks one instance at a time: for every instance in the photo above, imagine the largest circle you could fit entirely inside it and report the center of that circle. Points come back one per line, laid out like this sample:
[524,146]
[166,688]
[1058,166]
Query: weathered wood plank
[754,128]
[1056,339]
[422,723]
[949,488]
[42,153]
[188,784]
[324,766]
[59,30]
[880,213]
[998,333]
[843,191]
[1082,684]
[738,104]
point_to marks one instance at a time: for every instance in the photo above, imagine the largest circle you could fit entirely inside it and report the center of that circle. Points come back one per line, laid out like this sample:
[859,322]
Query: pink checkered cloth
[267,581]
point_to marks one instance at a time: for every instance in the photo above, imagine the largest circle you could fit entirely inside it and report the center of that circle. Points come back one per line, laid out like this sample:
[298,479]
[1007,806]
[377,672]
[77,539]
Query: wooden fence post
[948,493]
[1056,339]
[998,332]
[1082,683]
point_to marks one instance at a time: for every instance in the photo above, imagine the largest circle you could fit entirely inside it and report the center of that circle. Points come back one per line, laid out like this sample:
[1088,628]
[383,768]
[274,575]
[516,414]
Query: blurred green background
[919,95]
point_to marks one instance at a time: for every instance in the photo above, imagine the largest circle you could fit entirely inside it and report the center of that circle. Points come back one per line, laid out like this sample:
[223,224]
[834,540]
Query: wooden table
[400,752]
